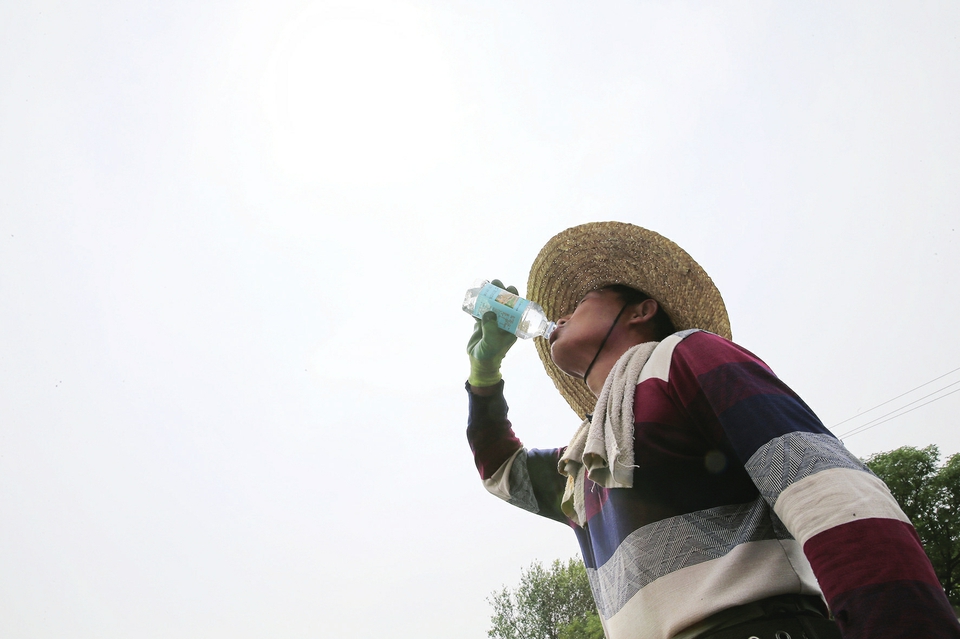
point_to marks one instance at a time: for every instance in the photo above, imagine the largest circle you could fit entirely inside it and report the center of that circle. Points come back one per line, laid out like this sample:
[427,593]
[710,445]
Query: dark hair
[662,323]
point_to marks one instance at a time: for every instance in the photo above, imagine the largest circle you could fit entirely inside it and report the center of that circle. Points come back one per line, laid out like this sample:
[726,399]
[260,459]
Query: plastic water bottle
[523,318]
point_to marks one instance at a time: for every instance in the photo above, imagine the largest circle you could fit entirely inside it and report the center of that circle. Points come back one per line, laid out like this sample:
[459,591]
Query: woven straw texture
[598,254]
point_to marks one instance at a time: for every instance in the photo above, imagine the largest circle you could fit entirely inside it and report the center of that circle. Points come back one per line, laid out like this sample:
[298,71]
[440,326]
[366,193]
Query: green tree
[549,603]
[929,494]
[587,628]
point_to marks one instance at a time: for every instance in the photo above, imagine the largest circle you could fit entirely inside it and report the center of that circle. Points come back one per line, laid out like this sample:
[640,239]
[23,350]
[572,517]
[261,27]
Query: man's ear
[643,312]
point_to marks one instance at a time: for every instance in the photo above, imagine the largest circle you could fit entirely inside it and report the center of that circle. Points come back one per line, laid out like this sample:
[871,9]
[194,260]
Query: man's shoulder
[695,342]
[683,350]
[701,351]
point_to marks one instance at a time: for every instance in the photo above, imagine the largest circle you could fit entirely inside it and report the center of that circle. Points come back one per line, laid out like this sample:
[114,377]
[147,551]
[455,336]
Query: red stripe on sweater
[896,610]
[712,351]
[866,552]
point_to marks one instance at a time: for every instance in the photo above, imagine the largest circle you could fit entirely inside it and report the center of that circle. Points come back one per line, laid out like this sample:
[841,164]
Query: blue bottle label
[508,307]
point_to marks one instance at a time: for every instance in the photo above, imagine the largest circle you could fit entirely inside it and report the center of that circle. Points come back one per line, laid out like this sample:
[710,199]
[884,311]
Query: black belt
[782,617]
[798,626]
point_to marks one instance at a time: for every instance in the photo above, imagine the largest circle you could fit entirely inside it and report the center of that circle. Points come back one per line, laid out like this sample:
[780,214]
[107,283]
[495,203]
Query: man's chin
[553,356]
[560,365]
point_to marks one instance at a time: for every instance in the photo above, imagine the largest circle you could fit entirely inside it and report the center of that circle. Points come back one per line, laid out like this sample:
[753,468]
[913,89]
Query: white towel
[602,448]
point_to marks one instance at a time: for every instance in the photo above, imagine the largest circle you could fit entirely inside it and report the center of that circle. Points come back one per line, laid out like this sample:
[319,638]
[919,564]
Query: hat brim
[598,254]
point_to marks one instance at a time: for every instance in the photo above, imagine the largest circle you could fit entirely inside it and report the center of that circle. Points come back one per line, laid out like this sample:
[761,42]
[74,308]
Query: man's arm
[872,569]
[525,478]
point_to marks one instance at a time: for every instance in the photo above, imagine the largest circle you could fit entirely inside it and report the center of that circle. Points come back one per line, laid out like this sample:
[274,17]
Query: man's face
[579,335]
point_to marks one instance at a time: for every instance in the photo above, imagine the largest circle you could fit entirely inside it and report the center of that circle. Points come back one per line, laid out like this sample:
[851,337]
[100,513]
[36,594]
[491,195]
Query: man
[709,501]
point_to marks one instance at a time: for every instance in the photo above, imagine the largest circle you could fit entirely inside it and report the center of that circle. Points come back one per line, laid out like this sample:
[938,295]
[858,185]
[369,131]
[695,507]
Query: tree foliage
[929,494]
[549,603]
[587,628]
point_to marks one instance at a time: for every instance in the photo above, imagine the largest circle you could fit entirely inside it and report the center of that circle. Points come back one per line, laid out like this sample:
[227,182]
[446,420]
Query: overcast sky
[235,237]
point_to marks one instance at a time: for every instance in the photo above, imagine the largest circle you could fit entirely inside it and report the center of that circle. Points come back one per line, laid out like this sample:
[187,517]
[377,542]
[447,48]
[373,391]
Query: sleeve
[525,478]
[867,557]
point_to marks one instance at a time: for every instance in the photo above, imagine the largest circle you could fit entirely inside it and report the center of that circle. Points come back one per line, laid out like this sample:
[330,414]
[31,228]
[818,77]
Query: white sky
[234,239]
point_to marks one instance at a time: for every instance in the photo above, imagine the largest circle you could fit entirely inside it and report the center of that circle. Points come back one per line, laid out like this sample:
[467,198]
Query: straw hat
[591,256]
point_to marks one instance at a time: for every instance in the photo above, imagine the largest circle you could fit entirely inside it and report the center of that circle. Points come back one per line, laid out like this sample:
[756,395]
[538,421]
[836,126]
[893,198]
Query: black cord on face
[604,342]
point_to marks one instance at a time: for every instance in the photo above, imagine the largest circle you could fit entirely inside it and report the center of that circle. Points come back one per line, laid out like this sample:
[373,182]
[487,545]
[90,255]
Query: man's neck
[612,352]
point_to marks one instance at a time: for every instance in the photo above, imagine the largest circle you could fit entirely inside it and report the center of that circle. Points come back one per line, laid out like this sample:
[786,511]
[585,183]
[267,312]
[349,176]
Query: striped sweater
[739,493]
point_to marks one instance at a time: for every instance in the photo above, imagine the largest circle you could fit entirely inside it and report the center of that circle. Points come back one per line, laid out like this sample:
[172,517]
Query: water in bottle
[523,318]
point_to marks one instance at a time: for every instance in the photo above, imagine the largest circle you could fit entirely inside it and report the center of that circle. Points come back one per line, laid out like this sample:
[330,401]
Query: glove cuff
[484,372]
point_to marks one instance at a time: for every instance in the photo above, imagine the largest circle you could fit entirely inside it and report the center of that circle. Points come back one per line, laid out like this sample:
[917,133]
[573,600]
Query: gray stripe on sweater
[791,457]
[521,488]
[669,545]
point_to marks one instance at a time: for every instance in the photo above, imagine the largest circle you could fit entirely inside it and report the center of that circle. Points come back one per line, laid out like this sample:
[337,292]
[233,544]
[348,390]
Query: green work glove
[488,345]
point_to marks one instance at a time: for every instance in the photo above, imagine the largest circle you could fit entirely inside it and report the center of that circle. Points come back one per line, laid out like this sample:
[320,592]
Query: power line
[897,397]
[857,428]
[860,429]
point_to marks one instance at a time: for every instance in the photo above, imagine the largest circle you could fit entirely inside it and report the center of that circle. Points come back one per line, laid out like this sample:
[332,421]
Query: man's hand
[487,347]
